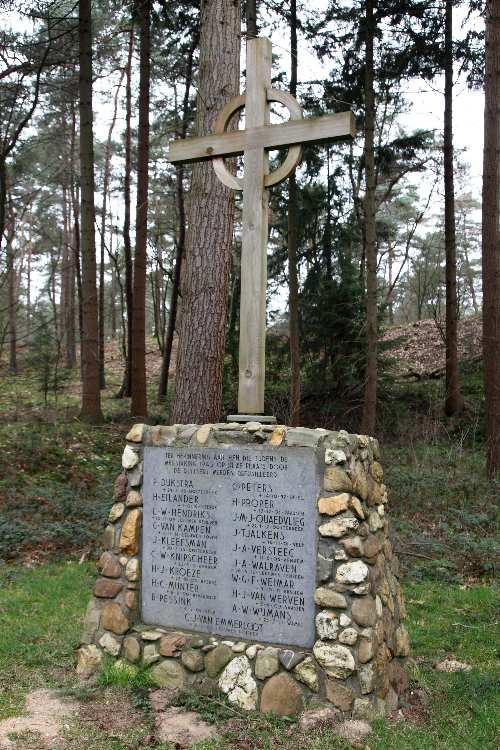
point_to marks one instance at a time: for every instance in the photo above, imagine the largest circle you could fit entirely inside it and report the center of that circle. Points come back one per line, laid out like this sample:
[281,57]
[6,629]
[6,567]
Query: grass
[40,619]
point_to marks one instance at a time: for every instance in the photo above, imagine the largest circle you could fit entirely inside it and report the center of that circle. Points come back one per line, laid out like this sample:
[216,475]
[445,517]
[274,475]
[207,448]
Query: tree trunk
[293,278]
[453,402]
[91,397]
[370,234]
[210,230]
[77,269]
[126,387]
[251,19]
[11,280]
[181,238]
[28,273]
[105,189]
[491,237]
[139,406]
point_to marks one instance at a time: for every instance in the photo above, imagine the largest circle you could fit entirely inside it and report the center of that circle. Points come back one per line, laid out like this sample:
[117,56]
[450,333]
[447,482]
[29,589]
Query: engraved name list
[229,540]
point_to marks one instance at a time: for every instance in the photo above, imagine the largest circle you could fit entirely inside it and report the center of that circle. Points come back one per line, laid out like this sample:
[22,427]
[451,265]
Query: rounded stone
[401,641]
[289,658]
[120,486]
[107,589]
[150,654]
[110,644]
[281,696]
[266,663]
[192,660]
[203,433]
[237,682]
[340,695]
[352,572]
[327,625]
[130,599]
[129,537]
[116,512]
[109,566]
[130,458]
[134,499]
[366,677]
[324,596]
[372,545]
[367,645]
[307,673]
[132,649]
[336,660]
[172,643]
[353,545]
[331,506]
[339,526]
[168,674]
[356,506]
[90,622]
[113,618]
[364,611]
[132,571]
[216,660]
[348,636]
[336,480]
[135,434]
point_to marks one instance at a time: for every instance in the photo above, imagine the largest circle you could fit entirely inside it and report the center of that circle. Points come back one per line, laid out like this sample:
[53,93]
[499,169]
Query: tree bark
[76,232]
[139,406]
[370,235]
[126,387]
[105,189]
[181,238]
[491,237]
[210,230]
[12,297]
[293,277]
[453,402]
[91,397]
[251,19]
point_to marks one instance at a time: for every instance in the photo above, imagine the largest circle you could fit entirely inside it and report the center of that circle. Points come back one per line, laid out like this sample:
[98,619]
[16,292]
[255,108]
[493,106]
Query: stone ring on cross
[294,153]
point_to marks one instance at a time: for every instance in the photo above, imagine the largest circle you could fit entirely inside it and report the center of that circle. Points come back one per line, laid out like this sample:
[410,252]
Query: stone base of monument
[255,560]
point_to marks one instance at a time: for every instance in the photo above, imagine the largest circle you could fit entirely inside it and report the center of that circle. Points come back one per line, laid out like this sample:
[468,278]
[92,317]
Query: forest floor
[445,531]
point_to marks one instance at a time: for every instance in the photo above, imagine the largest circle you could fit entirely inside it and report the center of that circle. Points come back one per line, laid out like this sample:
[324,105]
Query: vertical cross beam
[254,235]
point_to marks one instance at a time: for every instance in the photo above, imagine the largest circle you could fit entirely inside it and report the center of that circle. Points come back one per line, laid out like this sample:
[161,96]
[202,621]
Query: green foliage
[45,360]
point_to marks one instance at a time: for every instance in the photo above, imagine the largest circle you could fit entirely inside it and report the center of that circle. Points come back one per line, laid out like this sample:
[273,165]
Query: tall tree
[105,189]
[209,238]
[453,399]
[370,232]
[181,236]
[126,386]
[491,237]
[293,274]
[139,406]
[91,396]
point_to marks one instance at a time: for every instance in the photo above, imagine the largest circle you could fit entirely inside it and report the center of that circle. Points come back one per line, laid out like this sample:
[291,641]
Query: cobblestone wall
[357,661]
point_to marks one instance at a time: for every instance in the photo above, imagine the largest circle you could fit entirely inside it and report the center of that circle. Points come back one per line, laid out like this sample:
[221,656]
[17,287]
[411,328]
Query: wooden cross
[254,142]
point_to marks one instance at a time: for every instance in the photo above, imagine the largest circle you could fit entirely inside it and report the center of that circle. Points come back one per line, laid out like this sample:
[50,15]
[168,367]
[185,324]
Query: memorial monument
[248,557]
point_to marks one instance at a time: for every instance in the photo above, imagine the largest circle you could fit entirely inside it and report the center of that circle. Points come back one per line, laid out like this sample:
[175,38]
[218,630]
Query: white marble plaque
[229,541]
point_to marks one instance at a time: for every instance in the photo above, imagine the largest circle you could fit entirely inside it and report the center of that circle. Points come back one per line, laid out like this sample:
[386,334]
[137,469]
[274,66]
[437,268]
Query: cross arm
[313,130]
